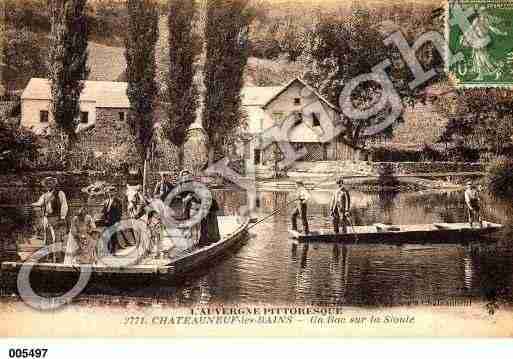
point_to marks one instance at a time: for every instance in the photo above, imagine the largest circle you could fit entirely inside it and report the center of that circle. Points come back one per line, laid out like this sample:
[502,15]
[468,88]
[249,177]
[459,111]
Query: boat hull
[49,273]
[428,233]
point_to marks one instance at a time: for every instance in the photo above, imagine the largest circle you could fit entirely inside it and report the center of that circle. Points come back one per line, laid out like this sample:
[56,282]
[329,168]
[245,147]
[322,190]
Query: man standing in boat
[473,202]
[112,211]
[163,187]
[339,207]
[301,208]
[54,208]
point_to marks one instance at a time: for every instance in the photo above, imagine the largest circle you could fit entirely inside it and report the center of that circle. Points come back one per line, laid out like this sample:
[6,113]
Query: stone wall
[110,130]
[429,167]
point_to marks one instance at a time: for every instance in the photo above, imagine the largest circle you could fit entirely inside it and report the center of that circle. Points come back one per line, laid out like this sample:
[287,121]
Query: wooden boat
[233,231]
[377,233]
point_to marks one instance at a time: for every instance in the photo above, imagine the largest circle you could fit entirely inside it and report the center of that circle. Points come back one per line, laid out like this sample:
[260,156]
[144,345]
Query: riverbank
[362,183]
[360,178]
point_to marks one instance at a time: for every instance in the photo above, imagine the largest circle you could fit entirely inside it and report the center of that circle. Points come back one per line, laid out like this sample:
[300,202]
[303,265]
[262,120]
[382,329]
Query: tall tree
[226,35]
[344,46]
[184,49]
[67,61]
[141,68]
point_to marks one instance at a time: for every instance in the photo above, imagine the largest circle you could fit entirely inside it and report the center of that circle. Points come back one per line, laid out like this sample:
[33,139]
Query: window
[84,117]
[257,154]
[298,118]
[43,116]
[122,116]
[297,101]
[315,119]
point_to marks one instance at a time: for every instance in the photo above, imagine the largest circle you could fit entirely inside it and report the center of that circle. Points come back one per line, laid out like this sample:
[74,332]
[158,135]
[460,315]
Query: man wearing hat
[339,207]
[163,187]
[112,211]
[301,208]
[473,203]
[54,208]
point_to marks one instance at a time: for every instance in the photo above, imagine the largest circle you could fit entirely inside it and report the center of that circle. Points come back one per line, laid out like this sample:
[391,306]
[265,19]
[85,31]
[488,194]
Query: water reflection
[270,268]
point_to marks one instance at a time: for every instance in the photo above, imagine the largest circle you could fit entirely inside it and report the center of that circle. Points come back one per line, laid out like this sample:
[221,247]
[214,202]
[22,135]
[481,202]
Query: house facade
[104,107]
[307,117]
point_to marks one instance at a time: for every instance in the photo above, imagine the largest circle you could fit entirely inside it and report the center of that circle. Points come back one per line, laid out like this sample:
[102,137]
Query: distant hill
[107,63]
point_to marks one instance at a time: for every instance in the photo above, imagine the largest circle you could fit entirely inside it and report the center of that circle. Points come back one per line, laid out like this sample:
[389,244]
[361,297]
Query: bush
[429,154]
[386,175]
[463,154]
[387,154]
[18,147]
[500,176]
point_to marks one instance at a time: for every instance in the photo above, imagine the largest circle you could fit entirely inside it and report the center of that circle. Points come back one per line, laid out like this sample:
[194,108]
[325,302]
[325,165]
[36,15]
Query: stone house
[104,106]
[266,107]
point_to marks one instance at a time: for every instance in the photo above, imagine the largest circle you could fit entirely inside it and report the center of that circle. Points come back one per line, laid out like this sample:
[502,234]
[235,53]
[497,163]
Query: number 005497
[27,353]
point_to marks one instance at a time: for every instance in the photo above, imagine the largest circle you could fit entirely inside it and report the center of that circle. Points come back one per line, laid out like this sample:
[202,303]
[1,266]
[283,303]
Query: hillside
[107,63]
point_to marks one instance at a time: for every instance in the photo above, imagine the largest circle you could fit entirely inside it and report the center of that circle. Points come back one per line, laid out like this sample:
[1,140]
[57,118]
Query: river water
[270,269]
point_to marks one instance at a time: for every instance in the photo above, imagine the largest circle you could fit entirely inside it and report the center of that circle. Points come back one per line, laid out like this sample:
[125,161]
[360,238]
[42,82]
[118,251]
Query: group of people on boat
[340,205]
[83,240]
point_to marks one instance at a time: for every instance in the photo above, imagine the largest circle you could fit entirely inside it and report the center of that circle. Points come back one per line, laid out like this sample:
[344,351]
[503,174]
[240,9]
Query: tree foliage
[67,61]
[226,34]
[481,119]
[17,147]
[22,57]
[184,49]
[346,45]
[500,176]
[141,68]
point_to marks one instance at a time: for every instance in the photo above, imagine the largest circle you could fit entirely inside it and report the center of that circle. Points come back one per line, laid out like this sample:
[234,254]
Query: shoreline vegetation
[365,183]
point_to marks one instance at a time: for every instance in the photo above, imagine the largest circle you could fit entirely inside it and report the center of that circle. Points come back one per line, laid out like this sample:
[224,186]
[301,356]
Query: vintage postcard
[277,168]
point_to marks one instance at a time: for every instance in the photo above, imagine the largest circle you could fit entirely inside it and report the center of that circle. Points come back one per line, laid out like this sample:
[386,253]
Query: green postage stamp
[481,47]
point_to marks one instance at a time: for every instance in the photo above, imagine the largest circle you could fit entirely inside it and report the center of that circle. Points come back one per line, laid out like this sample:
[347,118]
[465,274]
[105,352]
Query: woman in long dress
[82,241]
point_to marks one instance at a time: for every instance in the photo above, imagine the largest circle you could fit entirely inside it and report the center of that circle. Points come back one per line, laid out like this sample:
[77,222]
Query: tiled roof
[104,93]
[304,84]
[113,94]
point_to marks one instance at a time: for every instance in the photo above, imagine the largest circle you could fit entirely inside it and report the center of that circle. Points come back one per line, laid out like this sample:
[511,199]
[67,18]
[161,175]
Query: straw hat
[49,182]
[185,176]
[110,189]
[98,188]
[136,187]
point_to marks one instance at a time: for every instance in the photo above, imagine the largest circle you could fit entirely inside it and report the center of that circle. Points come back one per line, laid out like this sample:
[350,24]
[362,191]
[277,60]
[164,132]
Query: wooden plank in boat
[381,227]
[415,232]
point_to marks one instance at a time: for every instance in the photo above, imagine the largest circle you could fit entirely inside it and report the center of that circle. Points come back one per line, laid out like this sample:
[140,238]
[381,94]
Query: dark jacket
[162,189]
[112,214]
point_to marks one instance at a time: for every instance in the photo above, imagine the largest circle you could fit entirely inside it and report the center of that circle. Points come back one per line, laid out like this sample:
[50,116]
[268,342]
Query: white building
[310,113]
[98,100]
